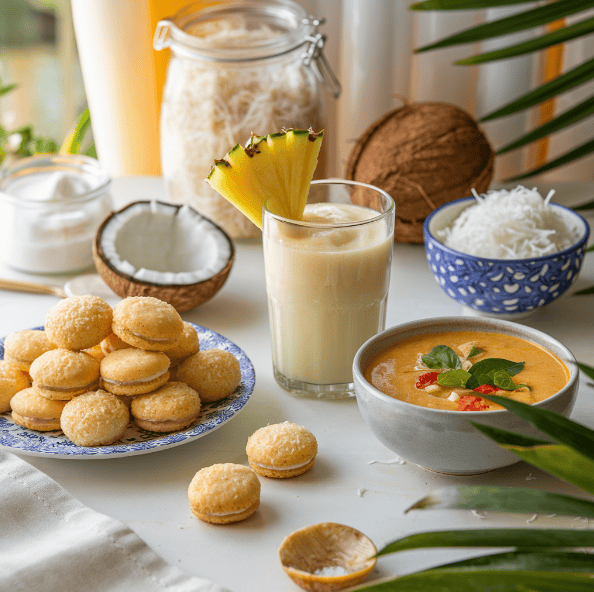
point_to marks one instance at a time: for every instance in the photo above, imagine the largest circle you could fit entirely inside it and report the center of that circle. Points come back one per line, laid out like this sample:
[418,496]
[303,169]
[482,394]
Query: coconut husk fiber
[424,155]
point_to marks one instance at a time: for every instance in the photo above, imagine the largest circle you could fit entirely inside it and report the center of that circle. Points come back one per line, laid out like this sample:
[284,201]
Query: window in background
[38,54]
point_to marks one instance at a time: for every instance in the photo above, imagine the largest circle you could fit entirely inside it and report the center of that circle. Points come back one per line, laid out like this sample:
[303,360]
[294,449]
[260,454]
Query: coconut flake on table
[515,224]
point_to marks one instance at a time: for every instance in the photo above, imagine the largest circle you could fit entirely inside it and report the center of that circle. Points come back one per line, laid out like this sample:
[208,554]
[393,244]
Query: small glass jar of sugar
[50,209]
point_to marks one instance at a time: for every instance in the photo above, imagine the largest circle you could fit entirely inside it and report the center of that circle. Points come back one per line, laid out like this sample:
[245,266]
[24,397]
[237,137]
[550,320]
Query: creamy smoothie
[327,289]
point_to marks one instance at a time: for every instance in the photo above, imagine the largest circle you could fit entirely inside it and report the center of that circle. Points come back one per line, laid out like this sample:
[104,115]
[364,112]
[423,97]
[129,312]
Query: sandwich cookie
[172,407]
[147,323]
[281,450]
[224,493]
[31,410]
[62,374]
[187,345]
[97,418]
[12,380]
[134,371]
[22,347]
[112,343]
[79,322]
[213,373]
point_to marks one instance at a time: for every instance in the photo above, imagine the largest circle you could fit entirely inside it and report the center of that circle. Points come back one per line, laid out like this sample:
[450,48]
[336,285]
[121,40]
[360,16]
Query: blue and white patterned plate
[15,438]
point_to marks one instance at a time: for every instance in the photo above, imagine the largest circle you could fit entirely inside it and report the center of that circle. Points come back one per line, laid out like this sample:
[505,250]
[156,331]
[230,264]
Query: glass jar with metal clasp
[237,67]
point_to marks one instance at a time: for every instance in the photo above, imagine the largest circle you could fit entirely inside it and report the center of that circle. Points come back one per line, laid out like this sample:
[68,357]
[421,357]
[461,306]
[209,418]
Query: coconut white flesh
[163,244]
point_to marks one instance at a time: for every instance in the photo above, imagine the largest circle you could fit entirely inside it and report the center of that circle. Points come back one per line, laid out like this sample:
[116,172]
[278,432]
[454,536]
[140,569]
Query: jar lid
[235,30]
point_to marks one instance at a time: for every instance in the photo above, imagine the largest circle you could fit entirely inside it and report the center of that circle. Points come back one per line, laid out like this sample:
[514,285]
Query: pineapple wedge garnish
[275,169]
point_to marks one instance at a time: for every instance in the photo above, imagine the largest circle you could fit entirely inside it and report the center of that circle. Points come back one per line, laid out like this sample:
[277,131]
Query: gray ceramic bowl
[443,440]
[502,288]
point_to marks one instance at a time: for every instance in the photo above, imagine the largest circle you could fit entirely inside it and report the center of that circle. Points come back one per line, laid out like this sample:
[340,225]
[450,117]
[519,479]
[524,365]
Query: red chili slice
[471,403]
[486,389]
[426,379]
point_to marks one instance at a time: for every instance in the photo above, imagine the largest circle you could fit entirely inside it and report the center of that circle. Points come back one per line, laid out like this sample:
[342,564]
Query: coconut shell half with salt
[424,155]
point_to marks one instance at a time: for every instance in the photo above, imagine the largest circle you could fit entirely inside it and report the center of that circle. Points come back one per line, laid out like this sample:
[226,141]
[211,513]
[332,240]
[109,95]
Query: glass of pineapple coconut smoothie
[327,279]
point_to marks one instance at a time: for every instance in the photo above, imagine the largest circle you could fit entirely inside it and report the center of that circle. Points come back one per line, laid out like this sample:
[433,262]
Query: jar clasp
[314,57]
[161,39]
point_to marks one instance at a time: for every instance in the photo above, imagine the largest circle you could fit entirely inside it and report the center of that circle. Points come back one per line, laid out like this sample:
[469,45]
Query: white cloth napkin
[50,542]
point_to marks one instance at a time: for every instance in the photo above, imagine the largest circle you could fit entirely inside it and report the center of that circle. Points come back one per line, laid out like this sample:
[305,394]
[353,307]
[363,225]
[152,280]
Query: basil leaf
[474,381]
[486,366]
[475,351]
[453,378]
[502,380]
[442,356]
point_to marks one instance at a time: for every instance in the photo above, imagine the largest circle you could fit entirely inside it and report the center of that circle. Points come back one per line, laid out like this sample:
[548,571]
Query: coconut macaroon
[282,450]
[147,323]
[224,493]
[187,345]
[97,418]
[112,343]
[172,407]
[31,410]
[22,347]
[78,322]
[134,371]
[12,380]
[62,374]
[214,373]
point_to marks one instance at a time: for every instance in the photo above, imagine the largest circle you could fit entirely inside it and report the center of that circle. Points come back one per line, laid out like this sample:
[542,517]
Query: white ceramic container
[442,440]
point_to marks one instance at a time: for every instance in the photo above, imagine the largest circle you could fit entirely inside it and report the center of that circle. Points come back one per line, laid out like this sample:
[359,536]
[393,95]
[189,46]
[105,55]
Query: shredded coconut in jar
[209,106]
[516,224]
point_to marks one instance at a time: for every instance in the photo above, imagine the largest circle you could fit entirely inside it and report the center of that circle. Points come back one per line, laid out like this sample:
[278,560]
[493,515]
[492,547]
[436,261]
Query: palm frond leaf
[517,538]
[547,40]
[587,370]
[584,292]
[575,154]
[586,206]
[483,581]
[512,24]
[504,499]
[570,79]
[464,4]
[570,117]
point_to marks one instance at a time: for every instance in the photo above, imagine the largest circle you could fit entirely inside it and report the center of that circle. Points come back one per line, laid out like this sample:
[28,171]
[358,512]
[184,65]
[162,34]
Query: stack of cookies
[94,367]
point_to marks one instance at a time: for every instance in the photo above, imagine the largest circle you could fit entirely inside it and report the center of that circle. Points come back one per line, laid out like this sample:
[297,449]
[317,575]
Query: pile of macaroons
[93,368]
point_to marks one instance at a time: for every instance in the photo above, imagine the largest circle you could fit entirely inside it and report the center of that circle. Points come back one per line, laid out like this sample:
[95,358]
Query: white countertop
[149,492]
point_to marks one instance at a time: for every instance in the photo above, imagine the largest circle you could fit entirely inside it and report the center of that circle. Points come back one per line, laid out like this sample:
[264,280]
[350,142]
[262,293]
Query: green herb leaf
[442,357]
[453,378]
[584,292]
[563,430]
[463,580]
[489,364]
[475,351]
[6,89]
[505,499]
[586,206]
[502,380]
[520,538]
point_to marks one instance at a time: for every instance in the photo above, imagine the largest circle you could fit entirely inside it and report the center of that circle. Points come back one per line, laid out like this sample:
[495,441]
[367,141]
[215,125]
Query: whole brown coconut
[424,155]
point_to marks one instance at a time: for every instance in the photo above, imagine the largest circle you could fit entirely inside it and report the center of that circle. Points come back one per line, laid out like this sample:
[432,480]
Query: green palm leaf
[575,77]
[584,292]
[519,538]
[575,154]
[525,561]
[512,24]
[485,581]
[504,499]
[542,42]
[464,4]
[587,370]
[586,206]
[574,115]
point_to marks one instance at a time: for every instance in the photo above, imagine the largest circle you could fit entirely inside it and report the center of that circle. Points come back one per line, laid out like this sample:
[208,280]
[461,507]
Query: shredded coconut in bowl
[516,224]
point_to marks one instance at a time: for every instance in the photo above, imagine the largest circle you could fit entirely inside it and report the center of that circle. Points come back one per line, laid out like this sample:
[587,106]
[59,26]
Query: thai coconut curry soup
[451,370]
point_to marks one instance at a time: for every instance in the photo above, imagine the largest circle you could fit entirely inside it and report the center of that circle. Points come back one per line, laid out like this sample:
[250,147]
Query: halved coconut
[170,252]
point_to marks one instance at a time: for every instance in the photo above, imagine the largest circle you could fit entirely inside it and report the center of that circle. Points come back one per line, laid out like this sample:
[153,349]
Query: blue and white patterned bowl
[501,288]
[15,438]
